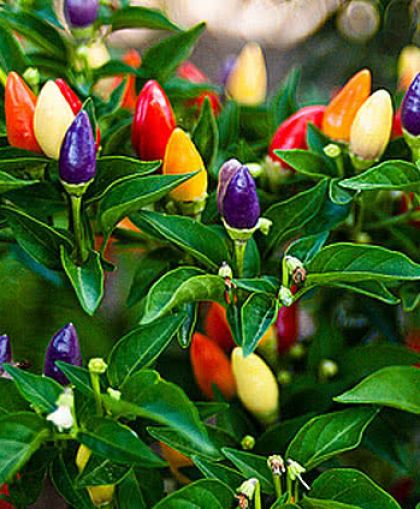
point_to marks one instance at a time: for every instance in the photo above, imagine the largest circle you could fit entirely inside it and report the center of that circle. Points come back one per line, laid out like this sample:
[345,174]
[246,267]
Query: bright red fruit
[188,71]
[217,328]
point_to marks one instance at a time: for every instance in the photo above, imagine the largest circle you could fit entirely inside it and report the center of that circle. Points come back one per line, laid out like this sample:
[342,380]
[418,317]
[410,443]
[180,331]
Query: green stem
[277,485]
[296,492]
[289,487]
[340,165]
[257,496]
[76,208]
[240,248]
[96,385]
[284,273]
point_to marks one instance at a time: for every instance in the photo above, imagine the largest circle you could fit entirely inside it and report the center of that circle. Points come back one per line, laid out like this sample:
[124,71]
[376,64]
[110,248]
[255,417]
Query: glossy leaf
[212,470]
[257,314]
[10,398]
[393,386]
[79,377]
[306,248]
[140,17]
[100,471]
[308,163]
[9,183]
[314,503]
[140,347]
[12,57]
[327,435]
[205,493]
[375,289]
[129,494]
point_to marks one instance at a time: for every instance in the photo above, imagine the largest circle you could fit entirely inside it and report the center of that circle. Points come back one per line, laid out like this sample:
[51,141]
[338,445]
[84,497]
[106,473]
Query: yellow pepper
[100,495]
[181,156]
[53,116]
[257,387]
[371,129]
[247,82]
[408,66]
[340,113]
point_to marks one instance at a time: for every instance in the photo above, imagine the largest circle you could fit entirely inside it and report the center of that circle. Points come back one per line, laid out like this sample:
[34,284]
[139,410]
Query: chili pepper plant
[269,357]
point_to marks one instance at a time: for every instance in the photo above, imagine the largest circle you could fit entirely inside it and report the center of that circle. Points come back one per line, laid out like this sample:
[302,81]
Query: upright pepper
[371,129]
[340,113]
[287,328]
[181,156]
[188,71]
[291,134]
[129,98]
[81,13]
[5,351]
[153,122]
[257,386]
[4,490]
[20,104]
[247,82]
[408,66]
[211,367]
[217,328]
[53,116]
[69,95]
[410,116]
[64,346]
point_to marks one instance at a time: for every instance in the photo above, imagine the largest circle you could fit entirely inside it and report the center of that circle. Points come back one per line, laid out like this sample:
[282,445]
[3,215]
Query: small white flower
[62,417]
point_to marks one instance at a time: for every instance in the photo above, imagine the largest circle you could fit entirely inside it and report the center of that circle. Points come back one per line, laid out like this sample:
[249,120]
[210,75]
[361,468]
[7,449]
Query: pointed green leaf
[205,134]
[205,493]
[257,314]
[140,17]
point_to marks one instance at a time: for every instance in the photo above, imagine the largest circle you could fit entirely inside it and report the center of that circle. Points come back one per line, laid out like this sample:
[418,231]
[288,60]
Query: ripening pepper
[410,109]
[211,366]
[247,82]
[237,198]
[129,98]
[181,156]
[397,131]
[371,129]
[77,163]
[81,13]
[53,116]
[217,328]
[4,490]
[69,95]
[64,346]
[340,113]
[408,66]
[176,461]
[20,103]
[291,134]
[287,328]
[188,71]
[257,386]
[153,122]
[101,495]
[5,350]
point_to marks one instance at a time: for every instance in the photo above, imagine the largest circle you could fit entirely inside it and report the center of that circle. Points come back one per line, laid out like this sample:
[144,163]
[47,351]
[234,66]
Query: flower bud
[247,82]
[181,156]
[211,367]
[286,296]
[340,113]
[77,163]
[53,116]
[276,464]
[408,66]
[371,129]
[64,346]
[97,366]
[19,104]
[237,197]
[31,76]
[257,386]
[5,351]
[153,122]
[327,369]
[248,442]
[81,13]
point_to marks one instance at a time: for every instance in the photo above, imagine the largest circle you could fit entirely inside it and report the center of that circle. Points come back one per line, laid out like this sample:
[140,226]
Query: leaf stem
[277,485]
[257,496]
[96,385]
[289,486]
[76,208]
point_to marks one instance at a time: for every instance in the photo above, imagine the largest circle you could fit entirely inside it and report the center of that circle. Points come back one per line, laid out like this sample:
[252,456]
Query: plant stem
[296,492]
[76,208]
[277,485]
[96,385]
[257,496]
[240,248]
[340,165]
[284,274]
[289,486]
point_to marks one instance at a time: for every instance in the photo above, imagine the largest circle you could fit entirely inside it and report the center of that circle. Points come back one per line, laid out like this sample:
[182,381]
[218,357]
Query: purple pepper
[81,13]
[410,109]
[226,68]
[77,163]
[64,346]
[5,350]
[237,197]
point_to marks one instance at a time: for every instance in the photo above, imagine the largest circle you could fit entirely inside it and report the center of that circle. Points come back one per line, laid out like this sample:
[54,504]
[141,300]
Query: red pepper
[217,328]
[396,125]
[129,97]
[291,134]
[406,205]
[287,328]
[5,491]
[20,104]
[188,71]
[153,122]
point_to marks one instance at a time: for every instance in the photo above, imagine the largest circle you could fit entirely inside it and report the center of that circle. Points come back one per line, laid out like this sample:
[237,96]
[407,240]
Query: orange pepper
[217,328]
[340,113]
[181,156]
[176,461]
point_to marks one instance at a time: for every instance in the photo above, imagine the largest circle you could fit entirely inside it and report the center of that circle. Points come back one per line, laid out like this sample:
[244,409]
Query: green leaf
[12,158]
[87,279]
[101,471]
[317,140]
[140,17]
[339,195]
[265,284]
[284,102]
[313,503]
[178,89]
[205,493]
[251,465]
[10,398]
[410,296]
[109,439]
[201,241]
[38,239]
[129,494]
[350,486]
[212,470]
[12,57]
[257,314]
[9,183]
[63,476]
[206,134]
[117,136]
[178,287]
[79,377]
[41,391]
[228,124]
[308,163]
[111,170]
[375,289]
[393,386]
[327,435]
[36,30]
[388,175]
[128,196]
[161,60]
[188,326]
[291,215]
[346,262]
[306,248]
[21,434]
[140,347]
